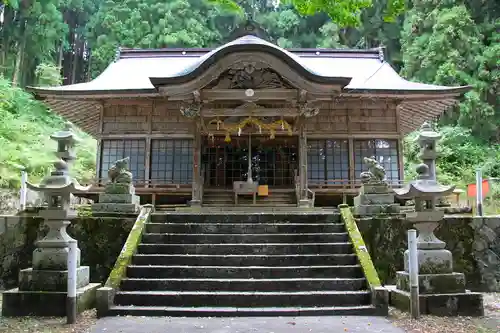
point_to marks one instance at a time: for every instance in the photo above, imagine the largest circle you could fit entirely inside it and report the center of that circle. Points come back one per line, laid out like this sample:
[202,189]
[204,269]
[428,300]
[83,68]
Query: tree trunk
[17,75]
[76,55]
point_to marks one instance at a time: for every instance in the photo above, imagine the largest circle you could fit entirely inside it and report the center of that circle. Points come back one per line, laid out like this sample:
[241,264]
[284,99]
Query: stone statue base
[17,302]
[439,295]
[117,198]
[43,293]
[374,199]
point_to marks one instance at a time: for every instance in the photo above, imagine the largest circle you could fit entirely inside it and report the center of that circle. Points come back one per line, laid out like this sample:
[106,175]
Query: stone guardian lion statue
[375,173]
[119,172]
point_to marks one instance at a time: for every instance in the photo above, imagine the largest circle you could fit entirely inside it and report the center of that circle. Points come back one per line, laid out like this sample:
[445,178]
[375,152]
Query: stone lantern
[441,291]
[432,255]
[42,288]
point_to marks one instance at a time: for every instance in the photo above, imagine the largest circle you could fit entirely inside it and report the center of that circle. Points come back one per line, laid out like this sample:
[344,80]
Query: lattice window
[172,161]
[385,151]
[328,160]
[113,150]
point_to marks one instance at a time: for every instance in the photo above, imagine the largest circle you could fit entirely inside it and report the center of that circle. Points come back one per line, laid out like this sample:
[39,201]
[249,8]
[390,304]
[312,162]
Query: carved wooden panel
[126,119]
[167,118]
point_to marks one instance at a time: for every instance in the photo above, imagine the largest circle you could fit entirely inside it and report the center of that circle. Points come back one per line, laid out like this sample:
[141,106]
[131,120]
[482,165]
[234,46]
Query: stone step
[235,248]
[245,217]
[242,298]
[227,228]
[165,238]
[161,311]
[207,284]
[283,204]
[249,272]
[245,260]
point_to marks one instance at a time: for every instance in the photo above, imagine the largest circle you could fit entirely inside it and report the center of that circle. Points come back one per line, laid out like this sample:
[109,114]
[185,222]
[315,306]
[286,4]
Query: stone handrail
[380,295]
[105,295]
[359,246]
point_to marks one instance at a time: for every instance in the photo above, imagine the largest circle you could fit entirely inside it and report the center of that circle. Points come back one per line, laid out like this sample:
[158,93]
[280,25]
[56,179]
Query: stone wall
[474,242]
[100,240]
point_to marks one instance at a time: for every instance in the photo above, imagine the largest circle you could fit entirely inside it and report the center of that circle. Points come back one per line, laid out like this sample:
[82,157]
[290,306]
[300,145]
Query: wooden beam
[239,94]
[355,135]
[261,112]
[145,135]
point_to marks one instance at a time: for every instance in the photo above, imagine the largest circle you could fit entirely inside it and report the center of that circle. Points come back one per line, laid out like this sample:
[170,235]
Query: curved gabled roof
[139,71]
[248,43]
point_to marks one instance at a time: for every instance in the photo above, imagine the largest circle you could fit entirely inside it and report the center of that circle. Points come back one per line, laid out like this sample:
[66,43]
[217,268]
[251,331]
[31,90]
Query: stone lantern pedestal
[442,291]
[42,288]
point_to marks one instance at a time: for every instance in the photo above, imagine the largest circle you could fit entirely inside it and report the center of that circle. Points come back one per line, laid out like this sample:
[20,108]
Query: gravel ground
[48,325]
[490,323]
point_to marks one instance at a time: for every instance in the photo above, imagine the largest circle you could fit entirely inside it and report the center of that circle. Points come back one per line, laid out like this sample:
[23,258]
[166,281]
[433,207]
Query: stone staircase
[244,265]
[217,197]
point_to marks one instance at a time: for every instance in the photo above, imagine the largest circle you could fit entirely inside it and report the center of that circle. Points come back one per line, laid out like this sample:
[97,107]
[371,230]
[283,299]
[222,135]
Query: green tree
[149,24]
[444,45]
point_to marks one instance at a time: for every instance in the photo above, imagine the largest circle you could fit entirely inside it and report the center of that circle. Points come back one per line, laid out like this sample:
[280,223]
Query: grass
[24,139]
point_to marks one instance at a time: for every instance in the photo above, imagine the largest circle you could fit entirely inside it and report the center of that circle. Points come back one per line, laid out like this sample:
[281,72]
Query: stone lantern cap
[423,187]
[428,134]
[58,181]
[58,184]
[66,134]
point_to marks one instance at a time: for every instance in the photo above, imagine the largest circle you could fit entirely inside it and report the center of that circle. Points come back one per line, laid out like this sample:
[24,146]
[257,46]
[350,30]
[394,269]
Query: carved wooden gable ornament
[250,75]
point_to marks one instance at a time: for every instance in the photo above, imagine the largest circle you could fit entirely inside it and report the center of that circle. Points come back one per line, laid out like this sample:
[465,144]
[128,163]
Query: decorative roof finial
[118,53]
[381,53]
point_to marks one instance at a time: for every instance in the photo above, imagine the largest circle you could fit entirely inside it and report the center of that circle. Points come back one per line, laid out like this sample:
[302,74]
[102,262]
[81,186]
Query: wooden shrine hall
[248,119]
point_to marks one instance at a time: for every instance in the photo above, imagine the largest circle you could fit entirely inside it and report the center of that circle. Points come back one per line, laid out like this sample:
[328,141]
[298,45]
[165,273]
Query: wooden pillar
[352,166]
[401,167]
[147,164]
[196,186]
[98,161]
[303,167]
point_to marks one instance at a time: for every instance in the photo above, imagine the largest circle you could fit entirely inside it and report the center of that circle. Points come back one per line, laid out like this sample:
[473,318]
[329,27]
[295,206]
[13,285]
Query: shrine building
[199,124]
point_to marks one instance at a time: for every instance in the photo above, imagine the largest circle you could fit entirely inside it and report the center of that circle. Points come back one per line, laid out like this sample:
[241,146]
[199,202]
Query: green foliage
[341,12]
[444,45]
[48,75]
[24,138]
[148,24]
